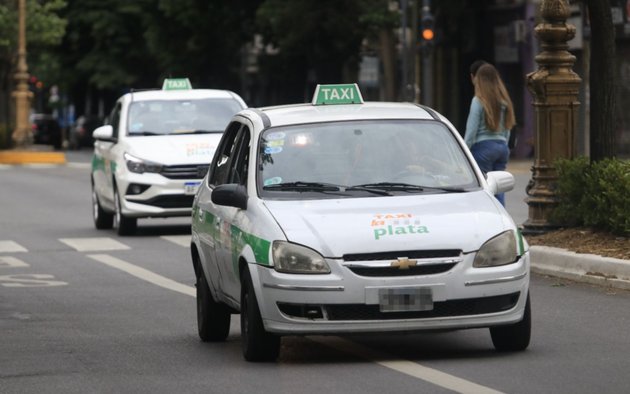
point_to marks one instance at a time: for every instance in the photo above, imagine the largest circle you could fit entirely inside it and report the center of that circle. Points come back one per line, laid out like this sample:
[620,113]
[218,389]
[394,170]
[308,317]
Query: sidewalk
[586,268]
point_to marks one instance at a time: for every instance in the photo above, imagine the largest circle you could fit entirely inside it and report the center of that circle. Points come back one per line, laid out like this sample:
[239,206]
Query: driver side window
[224,155]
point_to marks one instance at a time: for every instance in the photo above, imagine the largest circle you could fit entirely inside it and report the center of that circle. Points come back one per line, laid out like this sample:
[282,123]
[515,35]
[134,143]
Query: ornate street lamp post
[555,88]
[21,134]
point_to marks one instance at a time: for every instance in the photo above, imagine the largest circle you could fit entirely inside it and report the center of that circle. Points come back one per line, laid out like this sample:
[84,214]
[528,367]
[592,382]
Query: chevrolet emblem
[403,263]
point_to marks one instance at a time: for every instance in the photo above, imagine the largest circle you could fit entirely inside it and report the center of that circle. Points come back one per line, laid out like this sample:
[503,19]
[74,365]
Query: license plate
[405,299]
[191,187]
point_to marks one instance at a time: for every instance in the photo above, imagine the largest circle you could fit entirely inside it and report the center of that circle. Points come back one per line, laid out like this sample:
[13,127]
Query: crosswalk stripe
[9,261]
[181,240]
[11,247]
[94,244]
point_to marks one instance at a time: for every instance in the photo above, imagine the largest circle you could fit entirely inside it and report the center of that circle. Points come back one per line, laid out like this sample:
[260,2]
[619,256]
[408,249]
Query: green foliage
[594,194]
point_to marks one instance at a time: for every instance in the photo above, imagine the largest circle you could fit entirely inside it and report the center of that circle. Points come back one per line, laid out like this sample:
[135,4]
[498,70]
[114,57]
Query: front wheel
[123,225]
[213,318]
[513,337]
[102,220]
[258,344]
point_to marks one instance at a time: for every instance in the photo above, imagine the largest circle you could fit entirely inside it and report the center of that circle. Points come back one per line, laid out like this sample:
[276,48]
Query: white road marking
[30,280]
[11,247]
[181,240]
[78,165]
[40,165]
[143,274]
[94,244]
[8,261]
[406,367]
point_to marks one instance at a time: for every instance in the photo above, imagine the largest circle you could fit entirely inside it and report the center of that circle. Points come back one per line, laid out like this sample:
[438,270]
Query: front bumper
[344,302]
[163,197]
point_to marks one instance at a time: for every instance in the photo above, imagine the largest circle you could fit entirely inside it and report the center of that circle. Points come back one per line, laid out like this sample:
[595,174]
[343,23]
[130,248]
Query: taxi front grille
[363,312]
[169,201]
[188,171]
[428,269]
[410,254]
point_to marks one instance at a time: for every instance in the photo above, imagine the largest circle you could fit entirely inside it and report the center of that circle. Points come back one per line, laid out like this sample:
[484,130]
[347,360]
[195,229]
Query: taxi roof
[179,94]
[308,113]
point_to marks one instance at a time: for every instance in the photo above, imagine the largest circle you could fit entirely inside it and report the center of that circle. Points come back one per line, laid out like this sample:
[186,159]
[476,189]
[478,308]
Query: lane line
[406,367]
[11,247]
[143,274]
[94,244]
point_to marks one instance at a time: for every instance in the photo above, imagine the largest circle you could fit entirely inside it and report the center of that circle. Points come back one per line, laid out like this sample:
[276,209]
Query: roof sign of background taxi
[337,94]
[176,84]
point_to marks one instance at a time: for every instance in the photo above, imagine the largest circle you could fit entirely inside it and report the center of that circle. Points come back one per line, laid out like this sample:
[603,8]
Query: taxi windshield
[362,158]
[163,117]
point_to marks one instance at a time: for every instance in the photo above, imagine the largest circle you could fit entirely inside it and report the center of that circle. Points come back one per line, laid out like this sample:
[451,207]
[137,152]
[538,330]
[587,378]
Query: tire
[102,220]
[258,344]
[513,337]
[213,318]
[123,225]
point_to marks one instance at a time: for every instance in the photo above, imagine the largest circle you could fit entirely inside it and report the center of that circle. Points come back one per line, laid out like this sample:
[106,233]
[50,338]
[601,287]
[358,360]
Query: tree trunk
[388,59]
[602,80]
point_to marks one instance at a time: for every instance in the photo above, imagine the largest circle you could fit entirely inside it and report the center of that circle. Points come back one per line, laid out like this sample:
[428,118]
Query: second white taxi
[151,156]
[341,217]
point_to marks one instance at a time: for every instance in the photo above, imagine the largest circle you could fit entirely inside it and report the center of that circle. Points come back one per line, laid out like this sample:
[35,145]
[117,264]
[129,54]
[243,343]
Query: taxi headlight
[139,166]
[296,259]
[500,250]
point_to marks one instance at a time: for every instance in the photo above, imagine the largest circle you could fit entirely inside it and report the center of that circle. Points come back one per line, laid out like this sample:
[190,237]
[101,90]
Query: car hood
[174,149]
[462,221]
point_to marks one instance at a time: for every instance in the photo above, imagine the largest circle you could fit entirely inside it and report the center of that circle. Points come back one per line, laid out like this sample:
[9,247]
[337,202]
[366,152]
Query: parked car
[46,130]
[80,135]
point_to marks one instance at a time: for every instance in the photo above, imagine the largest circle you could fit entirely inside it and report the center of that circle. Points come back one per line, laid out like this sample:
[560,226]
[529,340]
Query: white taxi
[341,217]
[151,157]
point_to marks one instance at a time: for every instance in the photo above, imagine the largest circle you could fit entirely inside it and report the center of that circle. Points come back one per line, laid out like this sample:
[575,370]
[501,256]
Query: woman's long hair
[489,88]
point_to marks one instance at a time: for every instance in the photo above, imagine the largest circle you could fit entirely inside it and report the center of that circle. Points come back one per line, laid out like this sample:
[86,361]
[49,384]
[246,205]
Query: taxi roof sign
[176,84]
[337,94]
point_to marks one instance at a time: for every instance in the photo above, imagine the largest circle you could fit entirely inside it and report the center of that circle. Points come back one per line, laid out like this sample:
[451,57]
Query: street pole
[427,64]
[405,53]
[555,88]
[22,135]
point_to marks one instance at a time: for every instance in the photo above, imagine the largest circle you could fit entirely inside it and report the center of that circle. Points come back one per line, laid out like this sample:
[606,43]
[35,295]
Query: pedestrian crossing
[92,244]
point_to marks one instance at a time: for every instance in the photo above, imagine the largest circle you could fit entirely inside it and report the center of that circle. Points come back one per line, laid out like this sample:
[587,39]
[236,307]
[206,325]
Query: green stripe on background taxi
[521,245]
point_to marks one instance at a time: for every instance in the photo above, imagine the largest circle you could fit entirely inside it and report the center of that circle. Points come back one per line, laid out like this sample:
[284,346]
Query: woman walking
[490,120]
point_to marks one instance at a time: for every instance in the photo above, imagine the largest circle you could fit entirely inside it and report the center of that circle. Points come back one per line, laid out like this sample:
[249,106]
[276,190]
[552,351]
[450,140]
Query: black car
[46,130]
[81,133]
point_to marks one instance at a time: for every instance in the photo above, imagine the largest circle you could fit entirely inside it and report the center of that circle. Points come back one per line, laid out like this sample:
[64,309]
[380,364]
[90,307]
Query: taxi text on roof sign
[337,94]
[176,84]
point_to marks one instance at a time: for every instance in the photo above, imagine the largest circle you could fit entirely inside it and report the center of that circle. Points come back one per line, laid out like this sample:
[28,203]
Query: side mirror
[500,181]
[104,133]
[231,195]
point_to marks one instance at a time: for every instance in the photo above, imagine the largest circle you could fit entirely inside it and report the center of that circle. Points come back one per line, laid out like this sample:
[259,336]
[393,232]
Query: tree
[602,67]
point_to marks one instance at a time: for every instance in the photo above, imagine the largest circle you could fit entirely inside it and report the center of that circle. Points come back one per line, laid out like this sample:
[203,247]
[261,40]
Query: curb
[587,268]
[31,157]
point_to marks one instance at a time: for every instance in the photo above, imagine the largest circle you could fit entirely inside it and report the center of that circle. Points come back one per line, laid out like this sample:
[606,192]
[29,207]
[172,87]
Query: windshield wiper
[399,186]
[322,187]
[305,186]
[145,133]
[392,186]
[197,132]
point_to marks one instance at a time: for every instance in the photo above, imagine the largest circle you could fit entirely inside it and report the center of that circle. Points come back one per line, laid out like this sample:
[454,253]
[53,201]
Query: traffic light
[427,30]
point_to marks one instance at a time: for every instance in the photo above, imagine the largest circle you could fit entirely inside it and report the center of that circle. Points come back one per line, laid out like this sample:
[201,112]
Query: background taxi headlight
[499,250]
[296,259]
[139,166]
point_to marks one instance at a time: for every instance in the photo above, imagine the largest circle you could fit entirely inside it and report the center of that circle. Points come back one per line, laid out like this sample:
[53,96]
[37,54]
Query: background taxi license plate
[191,187]
[405,299]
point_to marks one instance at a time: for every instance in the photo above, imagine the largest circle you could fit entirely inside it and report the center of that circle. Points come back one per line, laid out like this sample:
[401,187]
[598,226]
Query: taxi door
[216,241]
[104,162]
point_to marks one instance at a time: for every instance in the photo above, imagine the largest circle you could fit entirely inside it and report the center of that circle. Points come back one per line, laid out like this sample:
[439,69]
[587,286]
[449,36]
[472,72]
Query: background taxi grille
[429,269]
[169,201]
[411,254]
[192,171]
[362,312]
